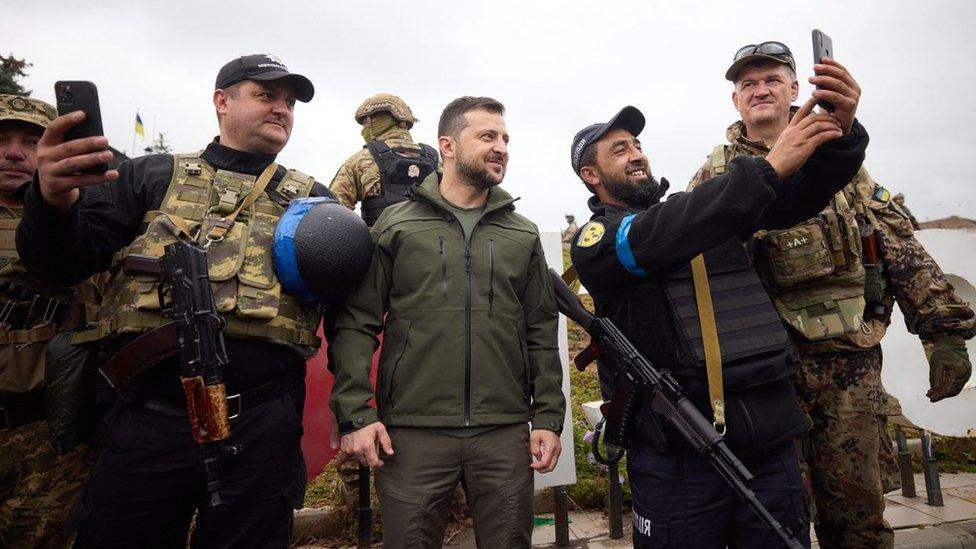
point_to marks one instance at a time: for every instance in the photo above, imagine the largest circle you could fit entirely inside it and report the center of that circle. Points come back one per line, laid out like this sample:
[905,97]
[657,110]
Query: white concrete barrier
[906,372]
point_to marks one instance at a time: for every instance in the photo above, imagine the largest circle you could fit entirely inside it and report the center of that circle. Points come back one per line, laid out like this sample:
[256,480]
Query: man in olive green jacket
[460,285]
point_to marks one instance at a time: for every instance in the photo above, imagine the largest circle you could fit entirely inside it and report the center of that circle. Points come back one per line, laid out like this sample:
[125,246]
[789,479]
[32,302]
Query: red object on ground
[317,420]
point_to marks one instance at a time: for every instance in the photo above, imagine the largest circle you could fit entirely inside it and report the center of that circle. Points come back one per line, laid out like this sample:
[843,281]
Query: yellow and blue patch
[591,233]
[881,194]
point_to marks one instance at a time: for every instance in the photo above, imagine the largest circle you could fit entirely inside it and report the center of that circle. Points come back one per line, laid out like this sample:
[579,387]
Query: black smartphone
[79,95]
[823,46]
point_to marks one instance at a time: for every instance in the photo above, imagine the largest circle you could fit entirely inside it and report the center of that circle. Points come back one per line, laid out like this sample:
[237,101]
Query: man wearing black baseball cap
[148,483]
[263,68]
[645,261]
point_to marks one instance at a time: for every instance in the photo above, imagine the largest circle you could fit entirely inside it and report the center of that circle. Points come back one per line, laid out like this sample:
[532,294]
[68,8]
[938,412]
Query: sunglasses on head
[777,49]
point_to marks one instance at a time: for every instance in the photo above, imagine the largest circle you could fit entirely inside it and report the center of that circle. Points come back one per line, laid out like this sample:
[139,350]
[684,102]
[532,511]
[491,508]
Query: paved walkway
[916,523]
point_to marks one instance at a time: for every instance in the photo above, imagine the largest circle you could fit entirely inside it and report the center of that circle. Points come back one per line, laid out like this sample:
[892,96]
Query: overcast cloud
[557,66]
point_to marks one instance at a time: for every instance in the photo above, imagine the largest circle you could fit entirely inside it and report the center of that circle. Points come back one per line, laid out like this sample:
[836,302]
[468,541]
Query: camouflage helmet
[385,102]
[26,109]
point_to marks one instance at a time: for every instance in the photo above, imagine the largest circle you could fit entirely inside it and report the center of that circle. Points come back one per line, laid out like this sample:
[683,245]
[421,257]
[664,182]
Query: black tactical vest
[660,316]
[397,174]
[756,348]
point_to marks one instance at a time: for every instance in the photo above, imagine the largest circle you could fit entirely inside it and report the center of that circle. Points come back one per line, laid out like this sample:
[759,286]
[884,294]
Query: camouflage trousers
[38,487]
[890,476]
[841,391]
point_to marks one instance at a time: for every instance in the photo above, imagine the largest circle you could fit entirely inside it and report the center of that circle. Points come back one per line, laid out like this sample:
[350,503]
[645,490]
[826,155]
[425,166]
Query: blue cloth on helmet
[285,258]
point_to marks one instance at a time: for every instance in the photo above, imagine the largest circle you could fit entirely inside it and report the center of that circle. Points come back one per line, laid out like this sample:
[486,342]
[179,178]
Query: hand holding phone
[73,153]
[823,46]
[79,95]
[837,92]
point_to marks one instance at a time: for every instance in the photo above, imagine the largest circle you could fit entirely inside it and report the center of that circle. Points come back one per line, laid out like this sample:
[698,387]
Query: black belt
[236,403]
[23,410]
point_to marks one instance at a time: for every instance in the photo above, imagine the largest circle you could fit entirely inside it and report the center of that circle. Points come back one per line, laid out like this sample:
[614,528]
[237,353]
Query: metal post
[930,469]
[364,532]
[905,465]
[561,516]
[615,510]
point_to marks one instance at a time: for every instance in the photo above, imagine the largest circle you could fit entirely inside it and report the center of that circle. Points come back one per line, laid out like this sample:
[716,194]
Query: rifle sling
[709,332]
[140,354]
[218,230]
[571,278]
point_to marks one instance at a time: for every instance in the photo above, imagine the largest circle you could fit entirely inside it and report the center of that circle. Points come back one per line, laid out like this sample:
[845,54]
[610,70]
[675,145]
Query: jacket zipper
[491,274]
[443,268]
[467,335]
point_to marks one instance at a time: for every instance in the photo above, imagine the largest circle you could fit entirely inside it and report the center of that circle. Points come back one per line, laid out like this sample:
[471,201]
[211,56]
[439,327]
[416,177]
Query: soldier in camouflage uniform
[147,486]
[570,231]
[37,484]
[386,120]
[834,280]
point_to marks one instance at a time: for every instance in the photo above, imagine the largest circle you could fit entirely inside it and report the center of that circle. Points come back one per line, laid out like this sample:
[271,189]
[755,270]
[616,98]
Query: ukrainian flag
[139,127]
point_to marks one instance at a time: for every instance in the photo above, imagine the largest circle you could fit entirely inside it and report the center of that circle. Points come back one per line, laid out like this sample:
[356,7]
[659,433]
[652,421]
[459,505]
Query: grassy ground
[955,455]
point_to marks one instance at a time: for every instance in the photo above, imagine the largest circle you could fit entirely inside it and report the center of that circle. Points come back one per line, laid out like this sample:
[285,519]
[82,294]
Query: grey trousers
[416,486]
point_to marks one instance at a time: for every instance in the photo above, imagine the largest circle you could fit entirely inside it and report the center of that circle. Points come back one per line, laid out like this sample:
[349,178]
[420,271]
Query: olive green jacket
[470,328]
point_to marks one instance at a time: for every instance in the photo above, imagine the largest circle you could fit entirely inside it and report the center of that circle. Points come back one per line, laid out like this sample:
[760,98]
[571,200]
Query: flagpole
[133,153]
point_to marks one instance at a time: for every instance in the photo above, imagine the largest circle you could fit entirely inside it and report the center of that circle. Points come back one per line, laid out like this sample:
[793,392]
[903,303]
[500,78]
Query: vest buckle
[193,168]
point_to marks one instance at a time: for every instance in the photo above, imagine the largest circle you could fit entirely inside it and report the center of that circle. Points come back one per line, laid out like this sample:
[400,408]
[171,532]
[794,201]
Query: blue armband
[624,253]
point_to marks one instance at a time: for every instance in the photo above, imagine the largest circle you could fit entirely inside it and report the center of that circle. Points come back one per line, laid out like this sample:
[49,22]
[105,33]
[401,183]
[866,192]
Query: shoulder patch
[881,194]
[591,233]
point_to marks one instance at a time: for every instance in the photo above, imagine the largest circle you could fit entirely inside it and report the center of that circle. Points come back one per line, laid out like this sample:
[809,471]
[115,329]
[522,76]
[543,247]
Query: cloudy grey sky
[557,66]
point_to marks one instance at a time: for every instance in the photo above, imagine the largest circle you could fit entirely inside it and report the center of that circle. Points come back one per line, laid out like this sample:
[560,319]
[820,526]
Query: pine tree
[12,70]
[159,145]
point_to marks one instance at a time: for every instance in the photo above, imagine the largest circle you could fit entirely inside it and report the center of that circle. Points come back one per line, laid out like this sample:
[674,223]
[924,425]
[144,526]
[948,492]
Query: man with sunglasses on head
[649,264]
[833,279]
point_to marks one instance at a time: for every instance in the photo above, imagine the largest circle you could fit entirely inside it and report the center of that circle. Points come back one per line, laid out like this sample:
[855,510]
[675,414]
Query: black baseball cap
[263,68]
[629,118]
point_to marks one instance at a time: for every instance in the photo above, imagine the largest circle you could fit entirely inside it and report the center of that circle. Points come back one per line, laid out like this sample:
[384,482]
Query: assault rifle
[665,396]
[190,306]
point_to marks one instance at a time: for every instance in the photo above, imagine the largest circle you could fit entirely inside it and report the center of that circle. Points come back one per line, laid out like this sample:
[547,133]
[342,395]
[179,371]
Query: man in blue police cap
[645,261]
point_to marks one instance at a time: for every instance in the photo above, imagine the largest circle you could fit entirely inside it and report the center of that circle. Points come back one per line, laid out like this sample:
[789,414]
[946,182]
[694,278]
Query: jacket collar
[428,191]
[226,158]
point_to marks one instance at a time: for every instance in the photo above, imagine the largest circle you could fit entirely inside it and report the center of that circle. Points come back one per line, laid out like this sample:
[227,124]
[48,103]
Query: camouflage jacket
[926,298]
[469,323]
[359,177]
[31,313]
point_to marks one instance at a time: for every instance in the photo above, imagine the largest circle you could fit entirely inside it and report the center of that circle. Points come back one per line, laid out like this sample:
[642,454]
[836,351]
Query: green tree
[159,145]
[12,70]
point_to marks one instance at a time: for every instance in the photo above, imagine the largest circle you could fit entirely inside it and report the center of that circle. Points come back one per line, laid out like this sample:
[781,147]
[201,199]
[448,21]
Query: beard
[477,176]
[640,194]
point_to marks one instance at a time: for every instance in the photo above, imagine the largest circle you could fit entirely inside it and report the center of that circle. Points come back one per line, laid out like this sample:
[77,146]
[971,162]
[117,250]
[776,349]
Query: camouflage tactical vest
[813,270]
[31,314]
[241,267]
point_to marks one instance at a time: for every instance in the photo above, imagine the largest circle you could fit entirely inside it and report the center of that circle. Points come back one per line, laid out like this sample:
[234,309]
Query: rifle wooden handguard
[207,407]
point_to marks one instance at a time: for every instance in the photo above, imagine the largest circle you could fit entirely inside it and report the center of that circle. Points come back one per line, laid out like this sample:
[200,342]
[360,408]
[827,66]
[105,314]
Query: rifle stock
[667,398]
